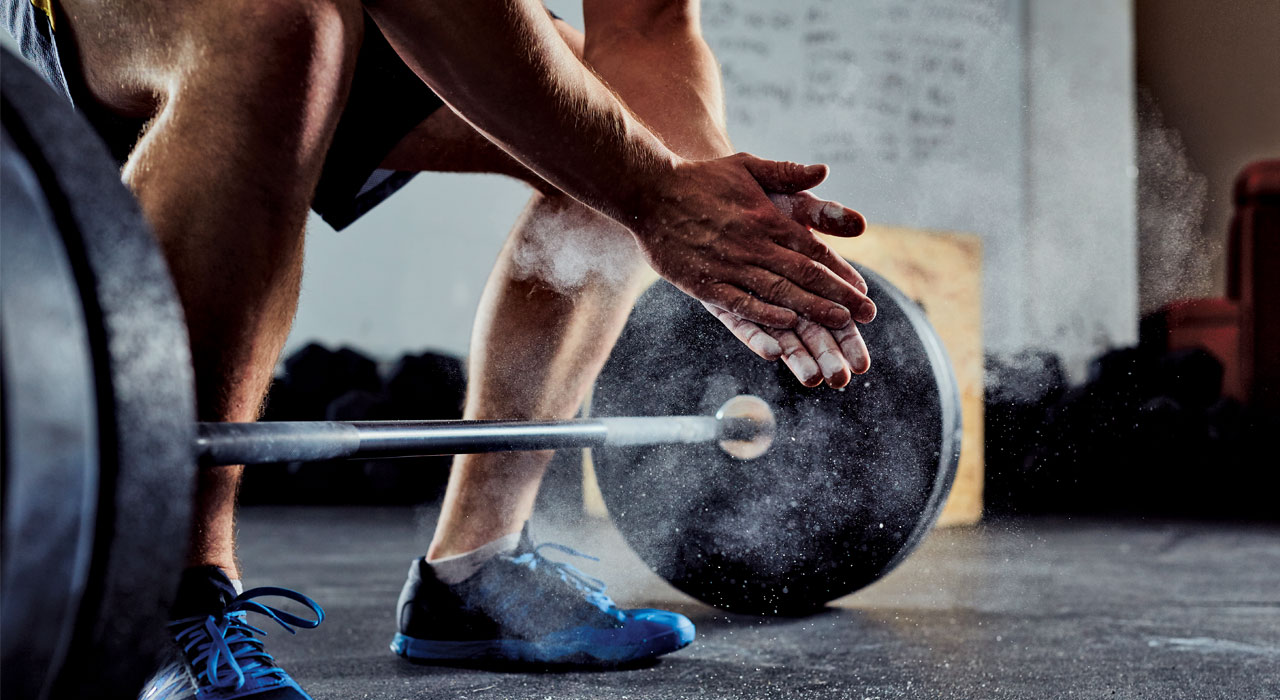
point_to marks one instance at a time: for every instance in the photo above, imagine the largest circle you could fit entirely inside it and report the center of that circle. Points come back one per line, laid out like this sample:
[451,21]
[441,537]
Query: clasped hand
[738,234]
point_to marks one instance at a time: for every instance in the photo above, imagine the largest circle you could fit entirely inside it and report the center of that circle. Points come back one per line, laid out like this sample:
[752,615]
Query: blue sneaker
[527,609]
[219,658]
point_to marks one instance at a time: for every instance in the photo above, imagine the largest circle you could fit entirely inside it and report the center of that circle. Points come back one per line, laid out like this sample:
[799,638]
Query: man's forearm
[502,65]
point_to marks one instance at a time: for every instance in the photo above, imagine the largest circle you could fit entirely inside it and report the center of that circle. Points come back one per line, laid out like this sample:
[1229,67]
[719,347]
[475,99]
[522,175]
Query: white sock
[460,567]
[235,583]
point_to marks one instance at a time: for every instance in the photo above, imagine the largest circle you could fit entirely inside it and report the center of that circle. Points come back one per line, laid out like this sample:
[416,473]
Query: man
[254,110]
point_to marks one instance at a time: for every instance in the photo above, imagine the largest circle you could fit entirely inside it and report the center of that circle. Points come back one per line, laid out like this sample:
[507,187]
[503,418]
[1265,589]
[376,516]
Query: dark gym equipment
[1254,253]
[317,376]
[853,481]
[100,443]
[1149,432]
[428,385]
[96,454]
[420,386]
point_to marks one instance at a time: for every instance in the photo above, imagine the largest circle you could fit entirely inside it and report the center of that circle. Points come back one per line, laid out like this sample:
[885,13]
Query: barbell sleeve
[285,441]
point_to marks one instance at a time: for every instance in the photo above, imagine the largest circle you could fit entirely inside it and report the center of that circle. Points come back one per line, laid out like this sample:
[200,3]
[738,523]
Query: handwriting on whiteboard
[874,82]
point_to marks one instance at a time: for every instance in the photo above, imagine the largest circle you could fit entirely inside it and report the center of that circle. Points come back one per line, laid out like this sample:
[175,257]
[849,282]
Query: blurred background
[1124,352]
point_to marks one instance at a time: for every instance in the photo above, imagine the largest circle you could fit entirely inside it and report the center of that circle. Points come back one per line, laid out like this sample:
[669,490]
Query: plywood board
[943,273]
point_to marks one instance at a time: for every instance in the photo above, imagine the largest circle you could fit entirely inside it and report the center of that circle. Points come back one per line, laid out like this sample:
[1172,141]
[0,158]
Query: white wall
[408,275]
[1081,271]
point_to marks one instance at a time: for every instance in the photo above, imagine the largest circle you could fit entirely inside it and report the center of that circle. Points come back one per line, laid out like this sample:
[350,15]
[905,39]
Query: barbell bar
[743,427]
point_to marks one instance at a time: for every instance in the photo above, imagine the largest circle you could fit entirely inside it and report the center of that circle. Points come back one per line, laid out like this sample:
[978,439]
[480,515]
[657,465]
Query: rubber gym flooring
[1032,608]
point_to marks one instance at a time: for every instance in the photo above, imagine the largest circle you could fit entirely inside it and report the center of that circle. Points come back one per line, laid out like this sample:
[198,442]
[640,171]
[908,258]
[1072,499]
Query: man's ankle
[451,568]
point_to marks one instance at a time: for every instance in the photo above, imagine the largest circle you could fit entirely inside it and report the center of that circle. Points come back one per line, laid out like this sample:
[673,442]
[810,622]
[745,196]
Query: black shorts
[387,100]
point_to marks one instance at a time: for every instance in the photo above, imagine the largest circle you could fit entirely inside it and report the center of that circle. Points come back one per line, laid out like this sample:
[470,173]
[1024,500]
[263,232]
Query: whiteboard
[917,106]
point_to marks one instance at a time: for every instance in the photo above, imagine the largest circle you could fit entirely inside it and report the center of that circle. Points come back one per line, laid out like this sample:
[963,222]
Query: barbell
[726,476]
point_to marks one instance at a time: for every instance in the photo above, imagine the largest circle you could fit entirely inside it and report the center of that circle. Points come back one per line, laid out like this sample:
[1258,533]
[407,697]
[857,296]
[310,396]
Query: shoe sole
[513,650]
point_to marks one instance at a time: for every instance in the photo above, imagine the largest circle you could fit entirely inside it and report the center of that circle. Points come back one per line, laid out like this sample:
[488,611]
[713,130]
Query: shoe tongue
[525,545]
[203,590]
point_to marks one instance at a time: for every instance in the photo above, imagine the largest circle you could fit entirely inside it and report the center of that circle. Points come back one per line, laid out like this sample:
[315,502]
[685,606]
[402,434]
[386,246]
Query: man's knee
[563,245]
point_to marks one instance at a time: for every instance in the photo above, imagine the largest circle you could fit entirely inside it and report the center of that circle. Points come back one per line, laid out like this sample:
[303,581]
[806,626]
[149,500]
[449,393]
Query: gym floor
[1028,608]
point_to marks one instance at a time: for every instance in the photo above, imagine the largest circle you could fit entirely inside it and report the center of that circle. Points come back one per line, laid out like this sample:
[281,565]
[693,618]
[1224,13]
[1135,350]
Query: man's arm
[705,225]
[653,52]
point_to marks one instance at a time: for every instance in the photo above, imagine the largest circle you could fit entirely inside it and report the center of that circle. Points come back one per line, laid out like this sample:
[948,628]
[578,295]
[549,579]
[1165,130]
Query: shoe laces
[590,587]
[222,648]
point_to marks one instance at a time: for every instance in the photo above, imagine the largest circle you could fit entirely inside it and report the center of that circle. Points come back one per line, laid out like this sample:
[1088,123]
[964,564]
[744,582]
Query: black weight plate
[853,481]
[50,447]
[144,397]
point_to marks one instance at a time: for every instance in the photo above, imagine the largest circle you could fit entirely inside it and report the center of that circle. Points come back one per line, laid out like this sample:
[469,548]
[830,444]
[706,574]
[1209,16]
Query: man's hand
[715,234]
[812,353]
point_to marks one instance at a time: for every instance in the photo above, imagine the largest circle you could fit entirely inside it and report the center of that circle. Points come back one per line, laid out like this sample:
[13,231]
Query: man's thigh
[119,52]
[105,56]
[123,60]
[155,45]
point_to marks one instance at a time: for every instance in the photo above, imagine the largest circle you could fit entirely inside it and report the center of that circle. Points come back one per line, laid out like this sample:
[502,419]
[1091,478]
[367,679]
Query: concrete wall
[1080,276]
